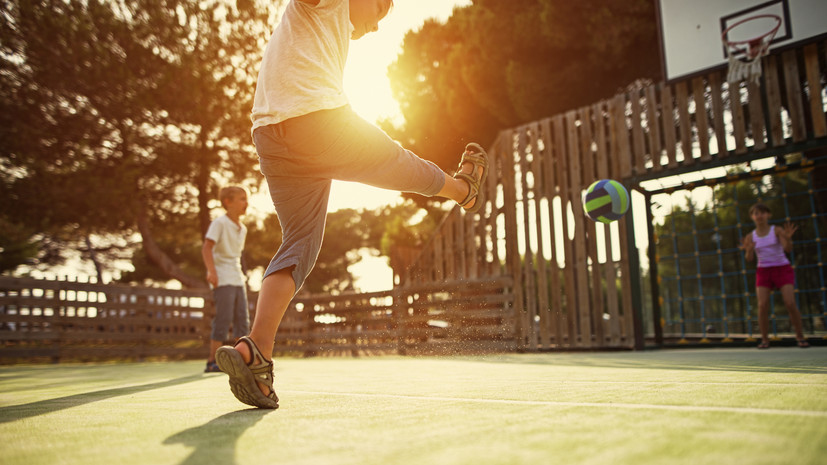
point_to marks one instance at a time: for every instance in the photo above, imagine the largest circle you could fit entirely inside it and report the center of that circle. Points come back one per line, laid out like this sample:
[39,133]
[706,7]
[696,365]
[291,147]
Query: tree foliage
[124,117]
[497,64]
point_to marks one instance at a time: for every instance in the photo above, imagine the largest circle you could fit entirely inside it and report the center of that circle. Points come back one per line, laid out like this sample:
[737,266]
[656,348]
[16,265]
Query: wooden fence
[435,318]
[529,272]
[577,283]
[63,320]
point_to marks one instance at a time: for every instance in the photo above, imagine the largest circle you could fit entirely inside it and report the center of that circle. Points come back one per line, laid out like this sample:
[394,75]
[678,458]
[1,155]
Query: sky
[368,87]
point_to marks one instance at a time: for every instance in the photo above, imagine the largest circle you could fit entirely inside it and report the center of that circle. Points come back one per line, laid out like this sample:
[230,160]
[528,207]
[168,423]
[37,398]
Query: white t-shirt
[303,66]
[229,243]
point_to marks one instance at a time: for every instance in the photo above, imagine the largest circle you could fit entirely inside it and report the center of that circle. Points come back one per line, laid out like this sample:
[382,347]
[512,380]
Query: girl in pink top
[774,271]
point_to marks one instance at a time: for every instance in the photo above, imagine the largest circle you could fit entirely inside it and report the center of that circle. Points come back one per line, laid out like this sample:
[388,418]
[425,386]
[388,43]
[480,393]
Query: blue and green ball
[605,201]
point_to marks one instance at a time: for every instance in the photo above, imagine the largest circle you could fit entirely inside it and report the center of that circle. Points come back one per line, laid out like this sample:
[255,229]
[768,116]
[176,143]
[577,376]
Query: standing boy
[774,271]
[222,249]
[306,135]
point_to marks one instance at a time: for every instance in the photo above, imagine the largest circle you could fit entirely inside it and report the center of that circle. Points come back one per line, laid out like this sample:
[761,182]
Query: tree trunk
[202,181]
[93,255]
[161,259]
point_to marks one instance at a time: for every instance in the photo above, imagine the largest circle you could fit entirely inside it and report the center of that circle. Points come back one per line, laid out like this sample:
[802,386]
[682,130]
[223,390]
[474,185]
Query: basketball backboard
[690,30]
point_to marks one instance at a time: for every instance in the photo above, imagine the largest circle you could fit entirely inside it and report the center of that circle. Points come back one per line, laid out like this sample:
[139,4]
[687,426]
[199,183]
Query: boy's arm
[206,254]
[310,2]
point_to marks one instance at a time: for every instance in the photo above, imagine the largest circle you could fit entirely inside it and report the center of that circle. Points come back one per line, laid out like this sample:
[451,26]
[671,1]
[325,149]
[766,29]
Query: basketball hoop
[745,55]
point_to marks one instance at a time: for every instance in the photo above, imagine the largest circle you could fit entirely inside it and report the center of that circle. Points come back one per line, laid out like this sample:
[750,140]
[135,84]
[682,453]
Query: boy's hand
[747,245]
[212,278]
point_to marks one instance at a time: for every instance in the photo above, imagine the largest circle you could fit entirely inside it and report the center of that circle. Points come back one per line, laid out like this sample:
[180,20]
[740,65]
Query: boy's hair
[759,207]
[229,193]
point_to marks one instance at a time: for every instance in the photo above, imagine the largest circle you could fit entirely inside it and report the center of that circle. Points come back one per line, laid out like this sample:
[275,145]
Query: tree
[498,64]
[125,117]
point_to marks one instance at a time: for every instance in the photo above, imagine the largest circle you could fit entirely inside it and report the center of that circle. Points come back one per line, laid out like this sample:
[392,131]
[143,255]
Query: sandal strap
[475,155]
[261,368]
[474,187]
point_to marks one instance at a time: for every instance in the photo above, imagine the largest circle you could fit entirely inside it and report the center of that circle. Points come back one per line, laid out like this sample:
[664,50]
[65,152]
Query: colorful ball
[605,201]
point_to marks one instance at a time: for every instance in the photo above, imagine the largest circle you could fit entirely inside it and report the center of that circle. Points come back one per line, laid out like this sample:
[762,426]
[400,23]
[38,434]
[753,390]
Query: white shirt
[303,66]
[229,243]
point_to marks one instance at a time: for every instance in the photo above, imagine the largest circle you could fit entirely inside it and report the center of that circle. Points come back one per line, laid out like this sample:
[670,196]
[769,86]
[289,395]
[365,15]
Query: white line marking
[699,383]
[682,408]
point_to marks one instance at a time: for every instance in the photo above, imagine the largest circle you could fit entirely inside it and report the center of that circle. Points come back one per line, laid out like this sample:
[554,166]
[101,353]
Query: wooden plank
[668,126]
[794,96]
[653,124]
[627,319]
[490,229]
[774,108]
[575,188]
[529,281]
[538,192]
[511,245]
[603,156]
[612,308]
[684,122]
[638,163]
[551,189]
[602,151]
[623,149]
[451,249]
[585,139]
[738,121]
[756,116]
[716,93]
[701,119]
[814,83]
[568,318]
[589,175]
[439,256]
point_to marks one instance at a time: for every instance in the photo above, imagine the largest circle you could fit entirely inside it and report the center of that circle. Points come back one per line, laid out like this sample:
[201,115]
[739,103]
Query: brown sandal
[243,377]
[475,155]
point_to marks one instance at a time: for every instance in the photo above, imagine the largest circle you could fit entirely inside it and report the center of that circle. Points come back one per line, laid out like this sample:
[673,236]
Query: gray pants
[299,158]
[230,306]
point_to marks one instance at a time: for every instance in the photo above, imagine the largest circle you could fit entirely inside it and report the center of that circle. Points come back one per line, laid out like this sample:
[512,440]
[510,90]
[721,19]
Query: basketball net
[748,66]
[745,56]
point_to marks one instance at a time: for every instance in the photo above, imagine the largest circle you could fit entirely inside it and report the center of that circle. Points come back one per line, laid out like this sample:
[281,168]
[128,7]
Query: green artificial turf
[713,406]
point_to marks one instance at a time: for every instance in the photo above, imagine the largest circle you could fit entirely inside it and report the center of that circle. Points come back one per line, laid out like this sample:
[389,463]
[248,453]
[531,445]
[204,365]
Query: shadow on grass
[33,409]
[215,442]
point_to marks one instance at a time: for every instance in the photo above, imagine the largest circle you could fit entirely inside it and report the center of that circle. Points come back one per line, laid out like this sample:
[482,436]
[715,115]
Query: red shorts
[774,277]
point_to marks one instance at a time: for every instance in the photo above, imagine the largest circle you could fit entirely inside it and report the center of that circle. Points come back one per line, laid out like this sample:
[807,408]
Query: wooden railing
[65,320]
[421,319]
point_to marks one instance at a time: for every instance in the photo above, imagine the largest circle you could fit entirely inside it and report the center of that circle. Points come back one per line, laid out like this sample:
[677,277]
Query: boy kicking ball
[306,135]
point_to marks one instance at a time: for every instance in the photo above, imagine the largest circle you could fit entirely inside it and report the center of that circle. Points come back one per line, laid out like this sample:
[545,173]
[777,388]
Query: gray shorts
[230,306]
[299,158]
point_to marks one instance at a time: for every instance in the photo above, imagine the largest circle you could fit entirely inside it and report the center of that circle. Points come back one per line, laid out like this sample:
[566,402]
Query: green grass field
[710,406]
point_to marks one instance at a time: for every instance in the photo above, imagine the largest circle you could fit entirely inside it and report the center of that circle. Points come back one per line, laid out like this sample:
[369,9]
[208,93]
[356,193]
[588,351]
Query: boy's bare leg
[277,290]
[457,189]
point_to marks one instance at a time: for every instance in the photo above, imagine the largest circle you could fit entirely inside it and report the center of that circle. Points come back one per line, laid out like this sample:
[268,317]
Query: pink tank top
[769,250]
